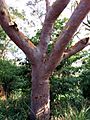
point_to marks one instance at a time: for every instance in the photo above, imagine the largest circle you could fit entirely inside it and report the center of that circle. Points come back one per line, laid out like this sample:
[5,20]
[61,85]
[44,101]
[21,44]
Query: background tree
[43,64]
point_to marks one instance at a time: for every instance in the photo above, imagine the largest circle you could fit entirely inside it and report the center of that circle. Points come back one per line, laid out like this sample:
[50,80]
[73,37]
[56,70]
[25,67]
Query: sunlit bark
[80,45]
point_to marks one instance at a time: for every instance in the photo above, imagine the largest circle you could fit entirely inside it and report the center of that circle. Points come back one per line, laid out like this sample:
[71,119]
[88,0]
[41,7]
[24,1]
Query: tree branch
[47,5]
[15,35]
[50,18]
[76,48]
[86,24]
[66,35]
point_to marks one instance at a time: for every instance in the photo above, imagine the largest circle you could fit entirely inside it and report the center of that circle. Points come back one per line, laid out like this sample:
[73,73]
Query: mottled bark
[40,97]
[43,66]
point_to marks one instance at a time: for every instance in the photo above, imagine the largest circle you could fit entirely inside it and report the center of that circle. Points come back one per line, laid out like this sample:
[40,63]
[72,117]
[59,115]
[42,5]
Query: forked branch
[78,15]
[52,14]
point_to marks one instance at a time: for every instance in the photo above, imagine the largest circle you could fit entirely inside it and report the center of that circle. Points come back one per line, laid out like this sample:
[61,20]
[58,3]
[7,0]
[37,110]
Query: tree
[43,64]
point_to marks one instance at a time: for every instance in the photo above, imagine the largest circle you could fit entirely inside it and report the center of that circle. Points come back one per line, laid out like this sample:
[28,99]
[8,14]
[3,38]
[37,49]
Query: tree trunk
[40,96]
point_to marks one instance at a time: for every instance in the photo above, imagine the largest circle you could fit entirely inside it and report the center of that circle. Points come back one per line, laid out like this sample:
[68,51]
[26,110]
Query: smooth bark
[42,65]
[80,45]
[40,97]
[54,11]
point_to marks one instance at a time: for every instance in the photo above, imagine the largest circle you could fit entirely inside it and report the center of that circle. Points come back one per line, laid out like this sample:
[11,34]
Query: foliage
[65,91]
[16,13]
[14,109]
[16,84]
[3,42]
[14,79]
[2,34]
[6,46]
[58,26]
[68,85]
[85,77]
[73,114]
[35,39]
